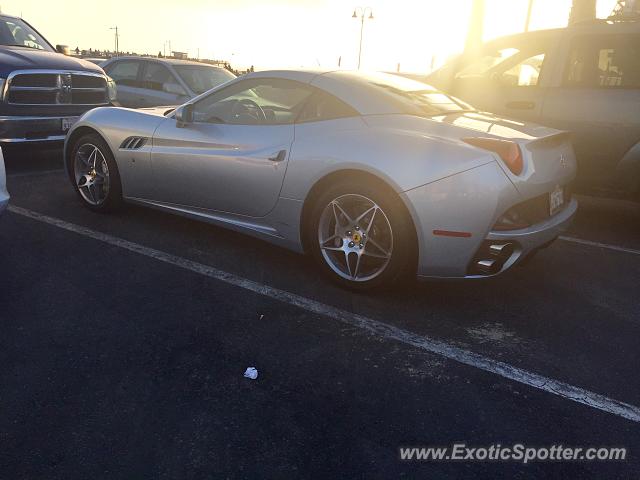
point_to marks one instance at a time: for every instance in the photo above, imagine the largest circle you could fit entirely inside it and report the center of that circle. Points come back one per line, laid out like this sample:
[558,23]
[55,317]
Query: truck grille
[56,88]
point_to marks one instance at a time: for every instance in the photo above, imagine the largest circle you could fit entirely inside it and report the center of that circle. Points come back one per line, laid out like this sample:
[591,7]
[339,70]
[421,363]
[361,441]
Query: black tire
[402,263]
[113,197]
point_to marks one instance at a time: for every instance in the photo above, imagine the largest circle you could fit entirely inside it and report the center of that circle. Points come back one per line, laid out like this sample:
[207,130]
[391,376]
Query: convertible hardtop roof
[360,89]
[304,75]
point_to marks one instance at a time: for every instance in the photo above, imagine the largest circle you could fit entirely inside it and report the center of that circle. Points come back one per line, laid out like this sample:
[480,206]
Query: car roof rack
[627,18]
[592,21]
[613,20]
[625,11]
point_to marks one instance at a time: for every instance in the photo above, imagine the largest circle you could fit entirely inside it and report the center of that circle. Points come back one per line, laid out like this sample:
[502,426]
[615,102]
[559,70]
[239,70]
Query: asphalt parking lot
[125,338]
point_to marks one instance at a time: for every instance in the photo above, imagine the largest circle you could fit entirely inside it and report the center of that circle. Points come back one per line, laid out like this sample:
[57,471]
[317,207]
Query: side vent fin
[133,143]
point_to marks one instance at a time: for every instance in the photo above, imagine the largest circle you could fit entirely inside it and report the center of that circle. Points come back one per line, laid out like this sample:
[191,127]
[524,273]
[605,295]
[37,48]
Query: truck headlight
[112,89]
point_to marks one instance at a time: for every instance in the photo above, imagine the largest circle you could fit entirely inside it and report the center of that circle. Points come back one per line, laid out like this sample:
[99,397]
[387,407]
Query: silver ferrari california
[374,175]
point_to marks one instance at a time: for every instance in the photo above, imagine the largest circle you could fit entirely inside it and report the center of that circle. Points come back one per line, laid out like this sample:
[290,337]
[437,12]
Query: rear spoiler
[550,141]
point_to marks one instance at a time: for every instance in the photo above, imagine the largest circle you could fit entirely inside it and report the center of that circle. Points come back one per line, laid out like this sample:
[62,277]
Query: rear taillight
[508,151]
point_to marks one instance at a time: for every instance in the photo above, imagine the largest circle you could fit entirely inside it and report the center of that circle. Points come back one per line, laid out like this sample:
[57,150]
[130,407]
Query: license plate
[67,123]
[556,200]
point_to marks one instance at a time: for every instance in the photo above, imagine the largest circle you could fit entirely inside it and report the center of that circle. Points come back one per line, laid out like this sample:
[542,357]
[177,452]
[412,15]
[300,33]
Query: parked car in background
[375,175]
[97,61]
[42,92]
[584,79]
[4,195]
[152,82]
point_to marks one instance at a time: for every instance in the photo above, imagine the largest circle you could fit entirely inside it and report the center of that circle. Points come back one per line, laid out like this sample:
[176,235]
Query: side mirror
[63,49]
[174,89]
[184,115]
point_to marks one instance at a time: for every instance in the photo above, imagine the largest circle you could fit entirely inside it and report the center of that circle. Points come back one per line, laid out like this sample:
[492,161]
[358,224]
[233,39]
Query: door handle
[521,105]
[279,157]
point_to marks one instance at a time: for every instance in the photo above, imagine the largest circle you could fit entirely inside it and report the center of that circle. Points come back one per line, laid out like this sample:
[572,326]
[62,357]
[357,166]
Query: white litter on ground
[251,373]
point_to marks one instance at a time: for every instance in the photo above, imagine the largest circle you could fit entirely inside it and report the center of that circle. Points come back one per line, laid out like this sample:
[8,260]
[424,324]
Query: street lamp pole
[117,40]
[361,13]
[528,21]
[476,25]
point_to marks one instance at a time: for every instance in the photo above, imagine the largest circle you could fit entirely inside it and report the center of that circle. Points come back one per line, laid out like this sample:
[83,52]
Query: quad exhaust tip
[502,251]
[487,266]
[499,253]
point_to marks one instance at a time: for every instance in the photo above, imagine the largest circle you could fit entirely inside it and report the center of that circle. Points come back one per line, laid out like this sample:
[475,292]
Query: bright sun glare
[414,34]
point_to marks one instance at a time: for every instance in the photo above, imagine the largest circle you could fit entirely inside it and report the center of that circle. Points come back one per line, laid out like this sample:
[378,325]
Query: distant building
[180,55]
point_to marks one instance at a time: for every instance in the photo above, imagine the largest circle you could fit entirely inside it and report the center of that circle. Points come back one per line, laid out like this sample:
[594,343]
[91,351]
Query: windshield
[419,97]
[15,32]
[202,79]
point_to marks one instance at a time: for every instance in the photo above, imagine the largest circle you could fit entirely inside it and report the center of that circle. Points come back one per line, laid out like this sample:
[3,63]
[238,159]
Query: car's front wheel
[361,235]
[95,174]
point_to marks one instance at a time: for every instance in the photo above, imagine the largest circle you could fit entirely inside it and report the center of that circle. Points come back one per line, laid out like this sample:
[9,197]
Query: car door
[509,80]
[598,99]
[232,158]
[161,87]
[126,74]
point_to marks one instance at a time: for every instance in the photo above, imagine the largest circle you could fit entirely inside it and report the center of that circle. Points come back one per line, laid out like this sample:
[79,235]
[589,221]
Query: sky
[286,33]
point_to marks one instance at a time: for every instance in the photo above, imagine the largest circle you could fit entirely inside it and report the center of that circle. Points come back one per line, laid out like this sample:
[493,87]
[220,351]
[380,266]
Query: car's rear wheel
[95,174]
[361,235]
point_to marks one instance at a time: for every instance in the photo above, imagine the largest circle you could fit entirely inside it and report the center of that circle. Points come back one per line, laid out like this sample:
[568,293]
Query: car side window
[260,101]
[525,73]
[125,73]
[486,62]
[323,106]
[604,61]
[157,76]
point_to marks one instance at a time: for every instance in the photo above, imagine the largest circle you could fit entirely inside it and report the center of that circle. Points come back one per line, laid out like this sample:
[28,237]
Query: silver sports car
[374,175]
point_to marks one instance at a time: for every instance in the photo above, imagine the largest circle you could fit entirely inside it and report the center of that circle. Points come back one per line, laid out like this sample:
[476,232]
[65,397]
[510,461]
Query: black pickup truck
[42,92]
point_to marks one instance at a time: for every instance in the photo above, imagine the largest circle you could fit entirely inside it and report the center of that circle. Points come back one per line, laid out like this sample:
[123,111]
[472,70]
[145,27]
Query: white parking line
[374,327]
[606,246]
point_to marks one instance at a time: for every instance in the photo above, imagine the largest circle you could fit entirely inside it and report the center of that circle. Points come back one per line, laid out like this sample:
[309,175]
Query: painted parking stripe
[606,246]
[374,327]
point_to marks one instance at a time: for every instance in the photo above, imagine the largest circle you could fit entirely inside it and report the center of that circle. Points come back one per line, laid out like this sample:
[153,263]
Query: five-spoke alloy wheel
[355,238]
[95,174]
[91,174]
[361,235]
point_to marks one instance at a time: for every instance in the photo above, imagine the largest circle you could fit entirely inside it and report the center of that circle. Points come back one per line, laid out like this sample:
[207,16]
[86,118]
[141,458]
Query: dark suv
[42,93]
[584,79]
